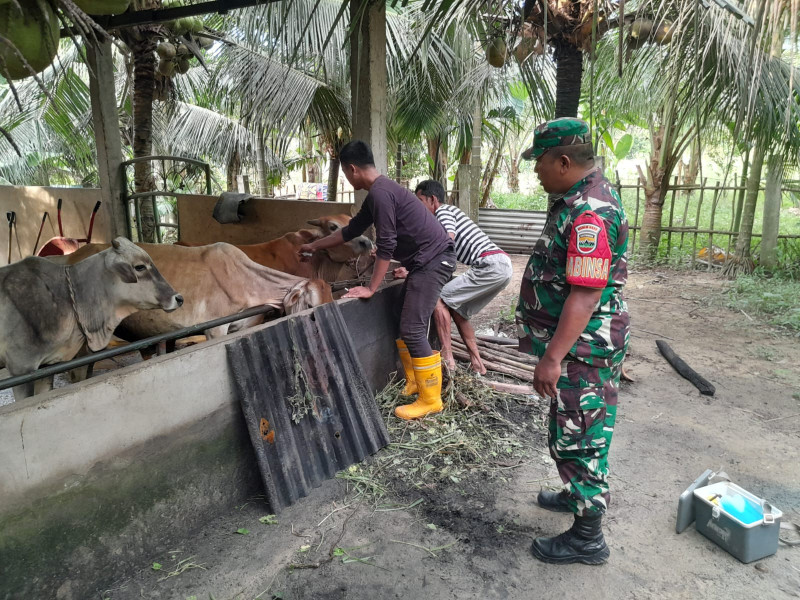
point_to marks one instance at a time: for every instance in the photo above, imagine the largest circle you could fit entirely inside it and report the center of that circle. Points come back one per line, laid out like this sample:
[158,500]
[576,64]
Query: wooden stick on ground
[498,340]
[685,371]
[510,388]
[510,351]
[505,348]
[496,357]
[499,368]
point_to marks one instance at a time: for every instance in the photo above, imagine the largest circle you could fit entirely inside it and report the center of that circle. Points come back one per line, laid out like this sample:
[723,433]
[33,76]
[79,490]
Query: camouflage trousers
[579,434]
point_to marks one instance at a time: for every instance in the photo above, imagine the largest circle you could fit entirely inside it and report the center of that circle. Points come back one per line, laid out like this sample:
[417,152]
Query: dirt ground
[470,538]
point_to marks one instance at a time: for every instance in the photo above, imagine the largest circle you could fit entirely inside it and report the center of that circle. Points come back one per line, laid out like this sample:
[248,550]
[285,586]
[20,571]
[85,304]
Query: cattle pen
[131,458]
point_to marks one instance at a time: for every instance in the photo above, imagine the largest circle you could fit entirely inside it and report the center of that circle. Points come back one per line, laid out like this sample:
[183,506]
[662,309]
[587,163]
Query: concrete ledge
[264,218]
[98,474]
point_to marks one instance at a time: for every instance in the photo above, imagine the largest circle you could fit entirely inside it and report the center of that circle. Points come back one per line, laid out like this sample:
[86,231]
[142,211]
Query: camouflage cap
[565,131]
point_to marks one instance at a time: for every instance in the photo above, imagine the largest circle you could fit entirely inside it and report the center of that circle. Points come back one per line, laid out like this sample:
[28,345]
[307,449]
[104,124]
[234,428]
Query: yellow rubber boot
[405,358]
[428,372]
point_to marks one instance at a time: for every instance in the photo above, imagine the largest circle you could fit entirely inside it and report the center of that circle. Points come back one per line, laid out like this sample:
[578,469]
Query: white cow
[50,312]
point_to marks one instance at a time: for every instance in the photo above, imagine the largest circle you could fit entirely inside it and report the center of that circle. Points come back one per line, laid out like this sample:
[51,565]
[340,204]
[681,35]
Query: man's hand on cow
[400,273]
[359,292]
[306,251]
[545,377]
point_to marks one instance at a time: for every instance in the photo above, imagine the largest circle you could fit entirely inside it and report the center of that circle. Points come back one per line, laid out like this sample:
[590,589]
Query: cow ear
[315,222]
[125,272]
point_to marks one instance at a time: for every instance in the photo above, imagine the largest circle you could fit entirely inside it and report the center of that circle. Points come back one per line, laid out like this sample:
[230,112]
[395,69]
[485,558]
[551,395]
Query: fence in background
[699,221]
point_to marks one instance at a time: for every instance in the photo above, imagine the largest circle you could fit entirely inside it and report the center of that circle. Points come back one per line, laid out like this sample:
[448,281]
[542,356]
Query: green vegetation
[677,248]
[517,201]
[774,299]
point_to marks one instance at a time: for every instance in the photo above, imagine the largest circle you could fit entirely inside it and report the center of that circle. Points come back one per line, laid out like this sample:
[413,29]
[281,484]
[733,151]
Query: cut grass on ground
[475,436]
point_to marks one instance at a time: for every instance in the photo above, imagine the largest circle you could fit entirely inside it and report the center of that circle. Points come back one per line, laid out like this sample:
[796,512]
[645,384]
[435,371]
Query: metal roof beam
[162,15]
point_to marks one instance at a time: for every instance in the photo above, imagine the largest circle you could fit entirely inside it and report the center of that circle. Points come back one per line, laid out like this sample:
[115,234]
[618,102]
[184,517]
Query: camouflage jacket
[545,288]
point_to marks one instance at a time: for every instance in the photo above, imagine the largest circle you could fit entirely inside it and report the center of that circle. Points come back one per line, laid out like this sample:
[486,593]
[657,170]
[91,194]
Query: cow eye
[140,268]
[334,227]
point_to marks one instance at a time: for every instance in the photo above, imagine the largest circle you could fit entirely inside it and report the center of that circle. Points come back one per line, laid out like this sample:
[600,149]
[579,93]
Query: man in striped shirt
[466,295]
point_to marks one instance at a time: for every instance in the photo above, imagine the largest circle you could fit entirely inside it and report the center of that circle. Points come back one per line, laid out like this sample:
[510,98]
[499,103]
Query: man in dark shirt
[406,231]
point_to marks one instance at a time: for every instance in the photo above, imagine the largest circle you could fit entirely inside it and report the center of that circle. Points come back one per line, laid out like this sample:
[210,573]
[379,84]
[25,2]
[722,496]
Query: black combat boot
[583,542]
[555,501]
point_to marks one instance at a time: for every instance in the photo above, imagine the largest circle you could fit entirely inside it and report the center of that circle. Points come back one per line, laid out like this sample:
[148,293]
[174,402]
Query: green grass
[776,300]
[511,201]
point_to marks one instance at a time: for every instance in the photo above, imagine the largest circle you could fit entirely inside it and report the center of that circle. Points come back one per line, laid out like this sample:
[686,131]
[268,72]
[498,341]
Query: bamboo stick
[509,351]
[496,357]
[498,340]
[492,366]
[671,216]
[510,388]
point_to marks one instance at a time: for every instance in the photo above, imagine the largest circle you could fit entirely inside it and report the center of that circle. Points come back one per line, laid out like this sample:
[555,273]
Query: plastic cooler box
[746,541]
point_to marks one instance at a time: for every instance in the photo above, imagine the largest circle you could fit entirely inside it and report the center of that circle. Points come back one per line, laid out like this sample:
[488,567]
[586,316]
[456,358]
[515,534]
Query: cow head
[145,287]
[358,246]
[307,294]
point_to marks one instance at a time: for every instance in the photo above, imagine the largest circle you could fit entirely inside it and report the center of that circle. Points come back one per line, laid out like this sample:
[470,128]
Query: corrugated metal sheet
[304,363]
[515,231]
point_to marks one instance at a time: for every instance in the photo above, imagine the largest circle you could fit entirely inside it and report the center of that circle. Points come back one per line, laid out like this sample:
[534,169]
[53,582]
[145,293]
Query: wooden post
[368,81]
[475,162]
[106,132]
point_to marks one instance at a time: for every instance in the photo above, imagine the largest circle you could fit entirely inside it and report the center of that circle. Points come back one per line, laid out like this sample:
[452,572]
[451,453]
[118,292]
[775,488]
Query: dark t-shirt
[405,230]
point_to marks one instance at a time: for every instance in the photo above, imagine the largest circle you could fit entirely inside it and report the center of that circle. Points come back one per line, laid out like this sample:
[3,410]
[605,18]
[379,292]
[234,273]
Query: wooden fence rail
[706,223]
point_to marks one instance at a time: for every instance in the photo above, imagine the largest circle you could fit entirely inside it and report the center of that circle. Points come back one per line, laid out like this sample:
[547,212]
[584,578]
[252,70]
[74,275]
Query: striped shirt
[470,241]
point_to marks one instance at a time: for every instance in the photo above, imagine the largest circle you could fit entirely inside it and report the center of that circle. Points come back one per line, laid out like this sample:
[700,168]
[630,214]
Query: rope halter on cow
[74,305]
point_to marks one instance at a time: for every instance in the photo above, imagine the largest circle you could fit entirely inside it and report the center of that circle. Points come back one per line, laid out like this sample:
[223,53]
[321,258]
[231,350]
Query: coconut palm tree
[713,73]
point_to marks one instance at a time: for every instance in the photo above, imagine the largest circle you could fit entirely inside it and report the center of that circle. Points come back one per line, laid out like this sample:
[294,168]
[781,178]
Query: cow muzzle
[361,245]
[174,303]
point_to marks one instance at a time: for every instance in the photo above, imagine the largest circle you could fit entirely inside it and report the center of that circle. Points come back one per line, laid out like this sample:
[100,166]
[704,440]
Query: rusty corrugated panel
[308,406]
[515,231]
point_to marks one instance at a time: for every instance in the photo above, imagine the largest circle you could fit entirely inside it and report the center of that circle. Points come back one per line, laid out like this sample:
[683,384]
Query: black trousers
[421,291]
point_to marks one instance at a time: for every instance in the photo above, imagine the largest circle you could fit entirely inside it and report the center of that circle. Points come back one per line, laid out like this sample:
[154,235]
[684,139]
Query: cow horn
[116,243]
[315,222]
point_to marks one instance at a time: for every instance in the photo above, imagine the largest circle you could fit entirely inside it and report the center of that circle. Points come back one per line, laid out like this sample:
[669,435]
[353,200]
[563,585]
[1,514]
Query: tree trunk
[437,151]
[741,261]
[513,174]
[261,164]
[493,164]
[690,174]
[333,176]
[772,213]
[569,71]
[398,163]
[234,169]
[144,67]
[650,234]
[737,220]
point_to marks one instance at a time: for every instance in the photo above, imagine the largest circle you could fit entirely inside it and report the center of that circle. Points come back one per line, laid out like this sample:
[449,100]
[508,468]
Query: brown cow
[216,280]
[282,253]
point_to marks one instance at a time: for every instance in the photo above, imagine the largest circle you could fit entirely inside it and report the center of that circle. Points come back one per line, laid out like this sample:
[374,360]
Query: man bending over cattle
[412,235]
[466,295]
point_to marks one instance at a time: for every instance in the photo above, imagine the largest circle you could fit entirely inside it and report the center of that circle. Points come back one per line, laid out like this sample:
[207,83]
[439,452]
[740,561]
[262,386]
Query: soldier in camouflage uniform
[571,314]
